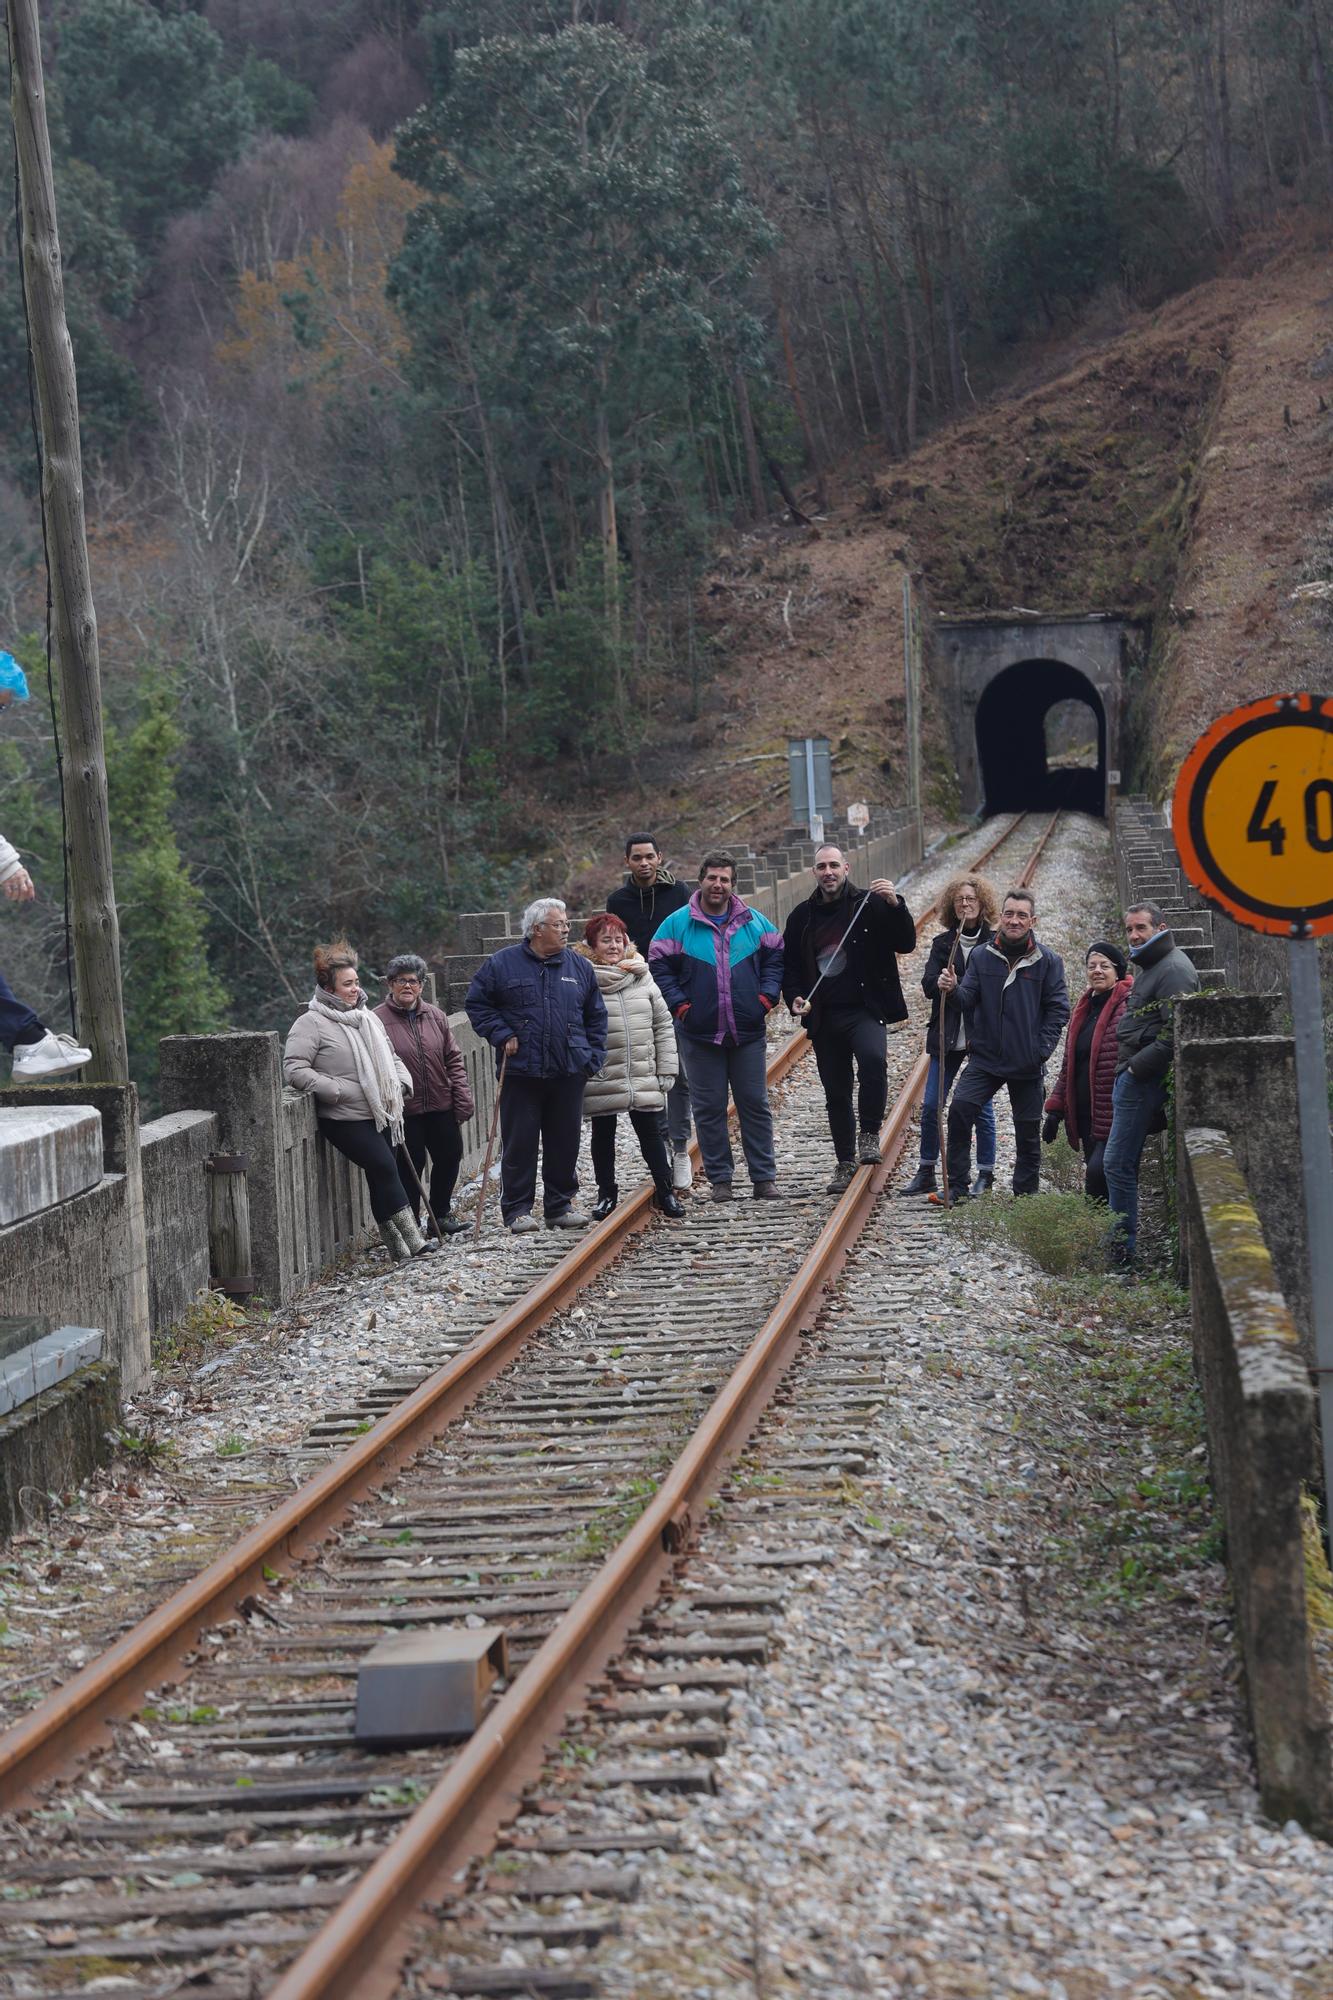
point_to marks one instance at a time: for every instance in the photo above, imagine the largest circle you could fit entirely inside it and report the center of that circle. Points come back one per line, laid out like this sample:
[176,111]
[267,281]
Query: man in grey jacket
[1162,973]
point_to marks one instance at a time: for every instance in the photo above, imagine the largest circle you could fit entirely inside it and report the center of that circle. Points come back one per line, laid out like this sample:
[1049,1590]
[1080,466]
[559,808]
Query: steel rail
[356,1953]
[79,1712]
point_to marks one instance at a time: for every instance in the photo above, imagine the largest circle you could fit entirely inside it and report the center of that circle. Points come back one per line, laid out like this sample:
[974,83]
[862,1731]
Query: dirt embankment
[1175,468]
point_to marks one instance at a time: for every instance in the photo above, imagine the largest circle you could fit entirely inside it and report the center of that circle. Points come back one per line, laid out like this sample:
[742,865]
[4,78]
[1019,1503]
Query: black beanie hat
[1111,951]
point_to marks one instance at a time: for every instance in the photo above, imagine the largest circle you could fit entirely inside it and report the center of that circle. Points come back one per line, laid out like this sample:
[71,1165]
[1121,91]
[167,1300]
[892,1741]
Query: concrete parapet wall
[52,1443]
[175,1204]
[323,1210]
[1260,1413]
[1234,1072]
[48,1153]
[307,1205]
[85,1261]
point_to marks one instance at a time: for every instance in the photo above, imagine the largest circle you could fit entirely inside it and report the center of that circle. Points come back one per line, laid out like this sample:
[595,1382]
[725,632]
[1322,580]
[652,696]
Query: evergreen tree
[169,987]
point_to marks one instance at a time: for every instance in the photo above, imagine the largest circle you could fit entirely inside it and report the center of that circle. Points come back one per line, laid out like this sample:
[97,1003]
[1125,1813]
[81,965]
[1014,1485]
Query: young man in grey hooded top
[648,896]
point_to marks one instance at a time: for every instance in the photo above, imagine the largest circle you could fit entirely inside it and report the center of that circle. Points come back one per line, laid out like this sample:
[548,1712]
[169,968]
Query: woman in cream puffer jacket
[640,1067]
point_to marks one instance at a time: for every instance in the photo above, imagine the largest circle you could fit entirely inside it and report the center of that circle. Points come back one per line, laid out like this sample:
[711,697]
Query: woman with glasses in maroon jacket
[441,1100]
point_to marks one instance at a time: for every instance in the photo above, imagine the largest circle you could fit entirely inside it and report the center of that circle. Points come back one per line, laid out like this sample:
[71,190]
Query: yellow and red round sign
[1253,814]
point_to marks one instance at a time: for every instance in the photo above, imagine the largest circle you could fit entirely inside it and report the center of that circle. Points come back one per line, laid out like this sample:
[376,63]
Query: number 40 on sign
[1253,814]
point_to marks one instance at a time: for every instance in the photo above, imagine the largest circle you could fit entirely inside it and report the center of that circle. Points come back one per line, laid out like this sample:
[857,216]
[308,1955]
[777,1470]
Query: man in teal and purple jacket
[718,965]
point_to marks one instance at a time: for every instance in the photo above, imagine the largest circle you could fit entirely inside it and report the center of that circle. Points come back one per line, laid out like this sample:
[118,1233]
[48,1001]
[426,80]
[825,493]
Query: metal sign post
[810,774]
[1253,822]
[1317,1173]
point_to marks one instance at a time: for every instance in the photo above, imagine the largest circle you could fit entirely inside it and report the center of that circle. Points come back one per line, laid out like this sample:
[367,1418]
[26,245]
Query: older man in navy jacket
[538,1003]
[1016,1003]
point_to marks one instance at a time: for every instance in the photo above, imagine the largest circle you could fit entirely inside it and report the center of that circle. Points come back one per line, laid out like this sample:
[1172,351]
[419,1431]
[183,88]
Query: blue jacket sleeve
[482,1007]
[666,954]
[968,990]
[594,1020]
[1054,1004]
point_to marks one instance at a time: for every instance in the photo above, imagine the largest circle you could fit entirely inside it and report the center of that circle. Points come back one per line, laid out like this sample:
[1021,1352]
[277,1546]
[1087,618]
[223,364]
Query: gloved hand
[1051,1127]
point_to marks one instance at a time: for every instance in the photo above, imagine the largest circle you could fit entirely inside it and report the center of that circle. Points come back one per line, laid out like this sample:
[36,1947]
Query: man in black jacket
[845,942]
[649,895]
[1014,997]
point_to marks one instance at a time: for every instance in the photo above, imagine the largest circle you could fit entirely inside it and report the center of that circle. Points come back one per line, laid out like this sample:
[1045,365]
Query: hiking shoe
[568,1218]
[722,1191]
[54,1055]
[682,1173]
[955,1196]
[522,1225]
[867,1149]
[922,1181]
[766,1191]
[451,1225]
[984,1181]
[843,1176]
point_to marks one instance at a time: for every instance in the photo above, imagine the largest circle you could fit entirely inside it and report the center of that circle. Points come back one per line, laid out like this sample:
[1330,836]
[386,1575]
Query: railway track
[230,1834]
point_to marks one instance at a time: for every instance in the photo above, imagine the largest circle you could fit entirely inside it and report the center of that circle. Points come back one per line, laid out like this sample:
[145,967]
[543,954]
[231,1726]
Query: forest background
[426,350]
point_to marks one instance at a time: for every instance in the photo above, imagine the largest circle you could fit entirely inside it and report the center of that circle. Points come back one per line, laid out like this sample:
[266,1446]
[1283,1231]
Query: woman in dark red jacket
[441,1099]
[1081,1100]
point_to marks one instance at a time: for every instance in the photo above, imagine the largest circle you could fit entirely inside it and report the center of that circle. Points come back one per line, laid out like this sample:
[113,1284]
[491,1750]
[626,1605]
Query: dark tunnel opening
[1024,766]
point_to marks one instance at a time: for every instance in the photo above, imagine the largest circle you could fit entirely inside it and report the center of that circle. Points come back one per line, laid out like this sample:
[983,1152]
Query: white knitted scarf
[372,1052]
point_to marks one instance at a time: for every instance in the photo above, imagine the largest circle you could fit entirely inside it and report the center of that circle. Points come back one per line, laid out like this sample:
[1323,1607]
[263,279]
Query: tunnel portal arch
[1001,675]
[1017,774]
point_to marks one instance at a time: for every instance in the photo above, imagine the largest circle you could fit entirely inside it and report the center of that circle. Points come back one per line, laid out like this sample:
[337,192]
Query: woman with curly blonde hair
[970,906]
[338,1053]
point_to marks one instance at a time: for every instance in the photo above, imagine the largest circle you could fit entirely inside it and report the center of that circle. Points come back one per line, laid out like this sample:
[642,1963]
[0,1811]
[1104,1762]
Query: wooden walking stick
[942,1093]
[490,1146]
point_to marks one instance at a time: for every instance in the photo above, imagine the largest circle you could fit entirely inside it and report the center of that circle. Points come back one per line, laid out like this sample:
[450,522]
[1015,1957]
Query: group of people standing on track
[660,1011]
[999,1003]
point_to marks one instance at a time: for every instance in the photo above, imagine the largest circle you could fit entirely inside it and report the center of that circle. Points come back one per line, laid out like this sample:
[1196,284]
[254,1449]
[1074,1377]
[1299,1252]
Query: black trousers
[545,1111]
[1094,1180]
[370,1150]
[652,1144]
[848,1034]
[975,1088]
[436,1133]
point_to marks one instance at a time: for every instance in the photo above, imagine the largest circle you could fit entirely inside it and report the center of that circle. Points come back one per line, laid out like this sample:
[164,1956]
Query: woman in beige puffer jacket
[640,1067]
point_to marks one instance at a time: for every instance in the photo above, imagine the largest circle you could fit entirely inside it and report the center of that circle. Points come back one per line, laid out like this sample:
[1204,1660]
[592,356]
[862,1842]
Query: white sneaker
[54,1055]
[682,1173]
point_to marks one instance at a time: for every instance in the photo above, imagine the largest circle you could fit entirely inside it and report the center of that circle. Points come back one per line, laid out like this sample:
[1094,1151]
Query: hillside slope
[1150,472]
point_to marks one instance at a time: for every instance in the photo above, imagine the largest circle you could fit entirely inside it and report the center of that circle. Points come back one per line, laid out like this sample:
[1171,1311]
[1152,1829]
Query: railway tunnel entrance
[1041,740]
[1034,704]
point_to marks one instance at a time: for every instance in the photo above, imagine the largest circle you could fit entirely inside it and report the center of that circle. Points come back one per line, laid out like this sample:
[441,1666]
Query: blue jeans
[18,1024]
[1135,1109]
[715,1069]
[930,1114]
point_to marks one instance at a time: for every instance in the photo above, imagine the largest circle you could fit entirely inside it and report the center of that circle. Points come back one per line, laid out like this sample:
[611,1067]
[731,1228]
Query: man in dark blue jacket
[538,1003]
[1016,1003]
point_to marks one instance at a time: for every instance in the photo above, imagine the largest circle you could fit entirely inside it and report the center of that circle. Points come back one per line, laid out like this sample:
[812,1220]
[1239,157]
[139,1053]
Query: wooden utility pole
[78,673]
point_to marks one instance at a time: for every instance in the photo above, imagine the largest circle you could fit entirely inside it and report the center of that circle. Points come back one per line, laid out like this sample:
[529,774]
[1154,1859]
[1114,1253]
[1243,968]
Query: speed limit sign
[1253,814]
